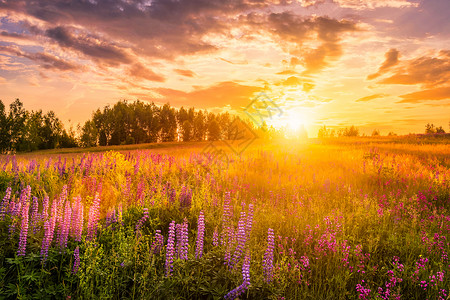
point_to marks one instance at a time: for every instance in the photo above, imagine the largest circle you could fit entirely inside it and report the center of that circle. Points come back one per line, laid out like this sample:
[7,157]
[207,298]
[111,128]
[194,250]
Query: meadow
[354,219]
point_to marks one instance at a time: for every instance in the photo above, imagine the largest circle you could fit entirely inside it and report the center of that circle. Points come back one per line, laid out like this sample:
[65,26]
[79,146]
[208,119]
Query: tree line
[22,130]
[123,123]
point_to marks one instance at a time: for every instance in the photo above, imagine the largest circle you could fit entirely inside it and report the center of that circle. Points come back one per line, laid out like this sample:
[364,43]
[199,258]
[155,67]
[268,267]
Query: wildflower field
[353,220]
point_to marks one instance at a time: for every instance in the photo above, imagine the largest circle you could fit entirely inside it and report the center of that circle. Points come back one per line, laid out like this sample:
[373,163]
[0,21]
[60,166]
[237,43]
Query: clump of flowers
[200,235]
[241,239]
[76,262]
[170,250]
[268,256]
[23,230]
[5,204]
[363,292]
[158,243]
[185,197]
[233,294]
[94,215]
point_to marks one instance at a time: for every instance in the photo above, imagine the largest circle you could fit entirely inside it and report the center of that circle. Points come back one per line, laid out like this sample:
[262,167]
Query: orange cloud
[426,70]
[390,61]
[187,73]
[138,70]
[431,94]
[217,95]
[371,97]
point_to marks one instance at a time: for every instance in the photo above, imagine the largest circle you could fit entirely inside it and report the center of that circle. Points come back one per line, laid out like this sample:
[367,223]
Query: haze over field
[375,64]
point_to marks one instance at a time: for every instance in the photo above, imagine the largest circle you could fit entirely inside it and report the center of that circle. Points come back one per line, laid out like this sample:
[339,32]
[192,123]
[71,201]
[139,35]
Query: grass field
[359,218]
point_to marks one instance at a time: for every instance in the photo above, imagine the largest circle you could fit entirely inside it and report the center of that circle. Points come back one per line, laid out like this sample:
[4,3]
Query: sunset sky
[381,64]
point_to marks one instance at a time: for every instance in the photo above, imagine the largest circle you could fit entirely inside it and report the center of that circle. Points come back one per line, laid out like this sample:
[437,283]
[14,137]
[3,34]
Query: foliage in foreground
[305,222]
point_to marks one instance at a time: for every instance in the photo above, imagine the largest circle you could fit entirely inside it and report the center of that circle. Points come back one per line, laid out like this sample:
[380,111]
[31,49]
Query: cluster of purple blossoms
[94,215]
[142,220]
[76,262]
[185,197]
[182,240]
[5,204]
[229,244]
[35,216]
[140,194]
[241,239]
[233,294]
[49,229]
[45,206]
[77,219]
[65,226]
[170,250]
[215,240]
[158,243]
[23,230]
[200,235]
[268,256]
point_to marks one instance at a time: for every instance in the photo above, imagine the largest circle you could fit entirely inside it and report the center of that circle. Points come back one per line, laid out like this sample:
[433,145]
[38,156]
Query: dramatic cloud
[295,29]
[427,71]
[140,71]
[219,53]
[390,61]
[371,97]
[219,95]
[431,94]
[89,45]
[46,61]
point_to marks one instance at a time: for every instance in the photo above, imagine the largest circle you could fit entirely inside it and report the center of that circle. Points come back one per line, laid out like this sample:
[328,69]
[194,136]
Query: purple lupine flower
[140,195]
[185,240]
[170,250]
[65,226]
[94,215]
[35,216]
[45,205]
[76,262]
[185,197]
[215,237]
[142,220]
[60,212]
[242,238]
[268,257]
[200,235]
[229,245]
[233,294]
[76,228]
[5,204]
[158,242]
[49,229]
[18,209]
[23,230]
[182,240]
